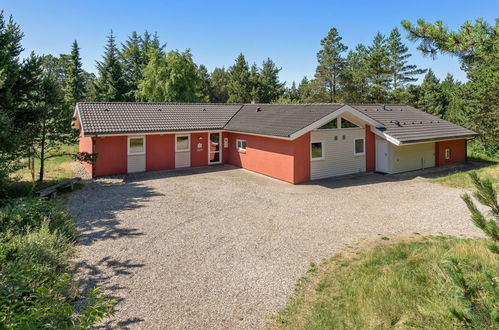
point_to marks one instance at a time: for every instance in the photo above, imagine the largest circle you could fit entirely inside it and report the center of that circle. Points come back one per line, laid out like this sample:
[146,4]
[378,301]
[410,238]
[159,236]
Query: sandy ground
[222,247]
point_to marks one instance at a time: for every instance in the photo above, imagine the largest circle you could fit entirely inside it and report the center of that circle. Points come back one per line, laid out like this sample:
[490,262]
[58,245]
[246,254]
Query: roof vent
[106,109]
[159,109]
[258,109]
[204,109]
[384,106]
[397,123]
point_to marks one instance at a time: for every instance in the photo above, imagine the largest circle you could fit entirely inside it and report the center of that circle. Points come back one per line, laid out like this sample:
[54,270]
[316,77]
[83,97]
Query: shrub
[21,214]
[36,286]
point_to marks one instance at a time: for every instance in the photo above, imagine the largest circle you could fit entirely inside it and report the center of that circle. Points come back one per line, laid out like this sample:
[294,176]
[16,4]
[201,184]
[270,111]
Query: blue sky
[289,32]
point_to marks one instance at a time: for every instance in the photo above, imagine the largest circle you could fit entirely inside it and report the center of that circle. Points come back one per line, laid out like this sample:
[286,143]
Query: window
[359,146]
[136,145]
[316,151]
[332,124]
[182,143]
[347,124]
[447,154]
[241,145]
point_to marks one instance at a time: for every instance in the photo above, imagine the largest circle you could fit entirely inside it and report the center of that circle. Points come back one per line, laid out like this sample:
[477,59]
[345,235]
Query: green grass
[462,179]
[56,168]
[393,285]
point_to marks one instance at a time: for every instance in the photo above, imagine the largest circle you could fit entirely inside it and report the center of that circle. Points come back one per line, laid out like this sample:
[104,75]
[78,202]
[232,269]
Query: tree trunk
[42,153]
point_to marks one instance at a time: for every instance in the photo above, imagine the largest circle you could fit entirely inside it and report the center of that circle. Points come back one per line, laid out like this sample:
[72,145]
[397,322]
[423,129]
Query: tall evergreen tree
[269,87]
[204,87]
[133,61]
[331,63]
[304,90]
[355,75]
[111,84]
[74,82]
[239,82]
[431,97]
[401,72]
[219,82]
[293,93]
[378,64]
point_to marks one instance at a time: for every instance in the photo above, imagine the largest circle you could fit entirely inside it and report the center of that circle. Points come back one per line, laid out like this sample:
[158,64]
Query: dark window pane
[347,124]
[332,124]
[317,150]
[359,146]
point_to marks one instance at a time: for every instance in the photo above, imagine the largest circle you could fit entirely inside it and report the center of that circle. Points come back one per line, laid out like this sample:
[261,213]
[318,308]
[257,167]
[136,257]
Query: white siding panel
[136,163]
[182,159]
[339,156]
[413,157]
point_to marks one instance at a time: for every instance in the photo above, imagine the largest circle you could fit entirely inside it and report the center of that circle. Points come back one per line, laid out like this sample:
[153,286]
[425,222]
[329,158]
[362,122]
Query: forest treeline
[38,93]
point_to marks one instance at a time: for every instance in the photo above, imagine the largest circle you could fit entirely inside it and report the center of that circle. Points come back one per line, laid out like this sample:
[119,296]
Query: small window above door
[182,143]
[136,145]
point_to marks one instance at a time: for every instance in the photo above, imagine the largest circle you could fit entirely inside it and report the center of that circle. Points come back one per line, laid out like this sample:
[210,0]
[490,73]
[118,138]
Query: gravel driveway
[222,247]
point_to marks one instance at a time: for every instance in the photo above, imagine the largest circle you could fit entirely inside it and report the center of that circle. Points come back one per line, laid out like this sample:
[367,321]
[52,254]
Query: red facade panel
[160,152]
[370,149]
[454,149]
[199,149]
[273,157]
[85,145]
[112,155]
[301,158]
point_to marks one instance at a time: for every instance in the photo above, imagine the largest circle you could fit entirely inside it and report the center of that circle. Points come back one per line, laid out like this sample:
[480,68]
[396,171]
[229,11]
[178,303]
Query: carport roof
[401,123]
[407,124]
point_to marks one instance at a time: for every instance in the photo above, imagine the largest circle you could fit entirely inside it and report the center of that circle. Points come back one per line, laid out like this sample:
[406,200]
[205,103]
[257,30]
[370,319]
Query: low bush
[37,290]
[21,214]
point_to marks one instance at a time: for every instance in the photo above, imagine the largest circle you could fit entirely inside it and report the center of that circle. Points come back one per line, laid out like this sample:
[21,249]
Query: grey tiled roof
[123,117]
[401,122]
[278,119]
[408,124]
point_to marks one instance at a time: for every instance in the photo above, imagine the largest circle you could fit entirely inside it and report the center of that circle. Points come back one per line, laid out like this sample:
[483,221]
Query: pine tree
[111,84]
[133,61]
[378,64]
[239,82]
[293,93]
[431,98]
[304,90]
[219,81]
[269,87]
[355,76]
[400,71]
[331,63]
[204,91]
[74,82]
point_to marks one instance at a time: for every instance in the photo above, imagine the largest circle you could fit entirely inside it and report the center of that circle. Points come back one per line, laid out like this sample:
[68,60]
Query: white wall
[339,158]
[412,157]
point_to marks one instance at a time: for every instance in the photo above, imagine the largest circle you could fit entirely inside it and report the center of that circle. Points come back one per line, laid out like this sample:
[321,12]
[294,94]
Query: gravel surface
[222,247]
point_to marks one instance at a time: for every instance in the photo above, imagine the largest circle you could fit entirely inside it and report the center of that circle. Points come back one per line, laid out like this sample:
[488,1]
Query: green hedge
[37,290]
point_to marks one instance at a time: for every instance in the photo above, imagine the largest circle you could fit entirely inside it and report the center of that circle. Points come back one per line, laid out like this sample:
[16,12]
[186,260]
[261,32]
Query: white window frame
[363,147]
[188,143]
[136,153]
[447,154]
[322,149]
[240,141]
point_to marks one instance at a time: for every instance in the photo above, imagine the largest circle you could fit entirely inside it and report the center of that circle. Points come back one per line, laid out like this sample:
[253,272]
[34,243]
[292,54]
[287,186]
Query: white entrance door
[182,150]
[214,148]
[382,156]
[136,154]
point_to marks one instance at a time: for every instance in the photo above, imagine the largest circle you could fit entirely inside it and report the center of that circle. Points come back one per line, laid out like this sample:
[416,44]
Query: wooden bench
[51,191]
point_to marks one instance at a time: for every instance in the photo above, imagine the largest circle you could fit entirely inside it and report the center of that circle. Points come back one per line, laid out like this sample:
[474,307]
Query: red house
[290,142]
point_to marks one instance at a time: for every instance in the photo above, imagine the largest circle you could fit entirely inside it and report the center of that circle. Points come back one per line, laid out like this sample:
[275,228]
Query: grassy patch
[401,285]
[56,168]
[462,180]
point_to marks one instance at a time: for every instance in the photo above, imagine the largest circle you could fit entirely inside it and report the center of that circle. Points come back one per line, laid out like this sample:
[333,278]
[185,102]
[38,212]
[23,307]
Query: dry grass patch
[393,285]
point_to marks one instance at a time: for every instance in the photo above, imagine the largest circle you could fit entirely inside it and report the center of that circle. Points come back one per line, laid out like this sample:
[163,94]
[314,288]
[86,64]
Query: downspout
[93,162]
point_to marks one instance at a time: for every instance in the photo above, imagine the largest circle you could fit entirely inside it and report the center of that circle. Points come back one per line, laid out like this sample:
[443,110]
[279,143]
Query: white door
[182,150]
[382,156]
[214,150]
[136,154]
